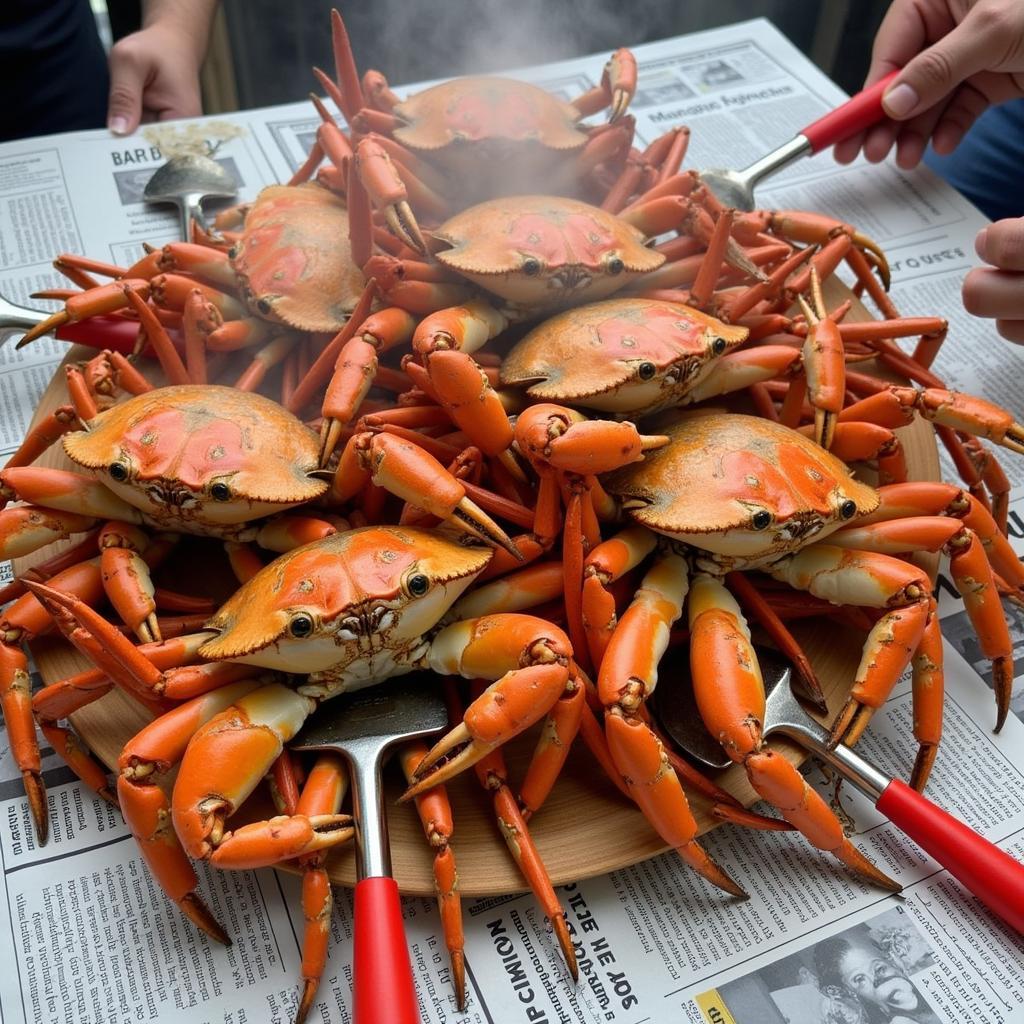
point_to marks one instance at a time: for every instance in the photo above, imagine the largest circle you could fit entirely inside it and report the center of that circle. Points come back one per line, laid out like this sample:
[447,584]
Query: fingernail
[900,100]
[980,242]
[118,125]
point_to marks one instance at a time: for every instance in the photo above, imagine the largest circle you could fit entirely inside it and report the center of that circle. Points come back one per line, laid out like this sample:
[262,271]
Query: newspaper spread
[91,938]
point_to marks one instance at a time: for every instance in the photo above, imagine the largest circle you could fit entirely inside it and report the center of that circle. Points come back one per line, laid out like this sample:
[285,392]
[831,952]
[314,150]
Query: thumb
[124,107]
[935,72]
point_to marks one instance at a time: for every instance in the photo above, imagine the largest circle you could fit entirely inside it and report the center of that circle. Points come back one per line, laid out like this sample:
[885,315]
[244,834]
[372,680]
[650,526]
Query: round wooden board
[586,828]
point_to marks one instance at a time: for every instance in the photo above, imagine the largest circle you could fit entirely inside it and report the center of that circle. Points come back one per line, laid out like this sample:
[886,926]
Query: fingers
[1011,330]
[904,32]
[846,151]
[994,293]
[154,75]
[127,79]
[1002,244]
[931,76]
[966,106]
[999,292]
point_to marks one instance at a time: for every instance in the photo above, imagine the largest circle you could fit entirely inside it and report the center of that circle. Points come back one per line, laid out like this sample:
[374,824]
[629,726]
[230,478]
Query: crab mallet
[991,874]
[365,728]
[736,188]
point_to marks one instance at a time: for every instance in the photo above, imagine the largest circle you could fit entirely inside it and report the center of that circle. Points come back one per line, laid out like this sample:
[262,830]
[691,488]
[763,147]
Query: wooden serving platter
[586,827]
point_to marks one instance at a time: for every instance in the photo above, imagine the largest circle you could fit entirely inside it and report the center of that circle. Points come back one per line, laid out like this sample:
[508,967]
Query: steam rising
[415,41]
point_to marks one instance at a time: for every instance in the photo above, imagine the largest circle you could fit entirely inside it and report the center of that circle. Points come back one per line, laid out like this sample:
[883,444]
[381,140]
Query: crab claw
[107,298]
[98,640]
[620,78]
[388,192]
[414,475]
[530,659]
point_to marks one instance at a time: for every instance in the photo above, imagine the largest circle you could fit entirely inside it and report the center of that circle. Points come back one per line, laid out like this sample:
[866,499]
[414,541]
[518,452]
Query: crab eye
[761,520]
[848,509]
[531,266]
[264,307]
[300,626]
[418,585]
[118,471]
[718,346]
[615,265]
[220,492]
[646,371]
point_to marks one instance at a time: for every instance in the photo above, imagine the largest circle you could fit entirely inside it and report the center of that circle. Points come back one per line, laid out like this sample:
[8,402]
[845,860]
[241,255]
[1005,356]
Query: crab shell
[294,262]
[630,356]
[359,594]
[707,487]
[543,251]
[176,443]
[474,129]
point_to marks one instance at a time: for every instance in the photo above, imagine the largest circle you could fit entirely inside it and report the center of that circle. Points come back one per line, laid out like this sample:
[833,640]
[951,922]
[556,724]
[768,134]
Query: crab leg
[493,776]
[27,528]
[126,578]
[150,754]
[329,356]
[355,367]
[965,413]
[321,796]
[352,98]
[862,442]
[730,695]
[824,364]
[674,213]
[972,575]
[107,298]
[927,682]
[60,699]
[529,588]
[408,472]
[994,478]
[578,449]
[44,434]
[604,565]
[443,342]
[755,604]
[23,619]
[627,677]
[225,760]
[529,658]
[922,498]
[617,88]
[435,813]
[380,178]
[867,580]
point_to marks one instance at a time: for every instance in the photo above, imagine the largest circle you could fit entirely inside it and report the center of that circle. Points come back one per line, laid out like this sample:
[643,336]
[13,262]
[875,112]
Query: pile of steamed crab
[452,400]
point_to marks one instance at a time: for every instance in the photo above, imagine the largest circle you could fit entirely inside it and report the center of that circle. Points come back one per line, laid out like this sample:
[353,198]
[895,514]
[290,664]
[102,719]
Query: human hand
[154,76]
[998,291]
[958,58]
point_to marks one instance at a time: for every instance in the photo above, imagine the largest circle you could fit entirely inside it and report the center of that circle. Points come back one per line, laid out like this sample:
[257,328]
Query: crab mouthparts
[172,495]
[805,524]
[572,278]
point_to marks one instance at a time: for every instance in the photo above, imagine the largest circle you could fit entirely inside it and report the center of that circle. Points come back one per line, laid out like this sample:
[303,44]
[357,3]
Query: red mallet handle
[992,875]
[381,973]
[856,114]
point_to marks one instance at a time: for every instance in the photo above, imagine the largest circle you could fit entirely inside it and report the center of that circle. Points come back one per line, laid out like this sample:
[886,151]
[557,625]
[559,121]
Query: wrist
[185,24]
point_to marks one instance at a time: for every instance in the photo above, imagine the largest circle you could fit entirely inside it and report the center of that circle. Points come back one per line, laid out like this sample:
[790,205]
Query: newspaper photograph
[92,939]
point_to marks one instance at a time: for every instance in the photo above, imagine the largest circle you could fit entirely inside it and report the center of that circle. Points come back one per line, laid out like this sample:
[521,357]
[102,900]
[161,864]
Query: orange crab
[288,274]
[733,493]
[463,141]
[341,613]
